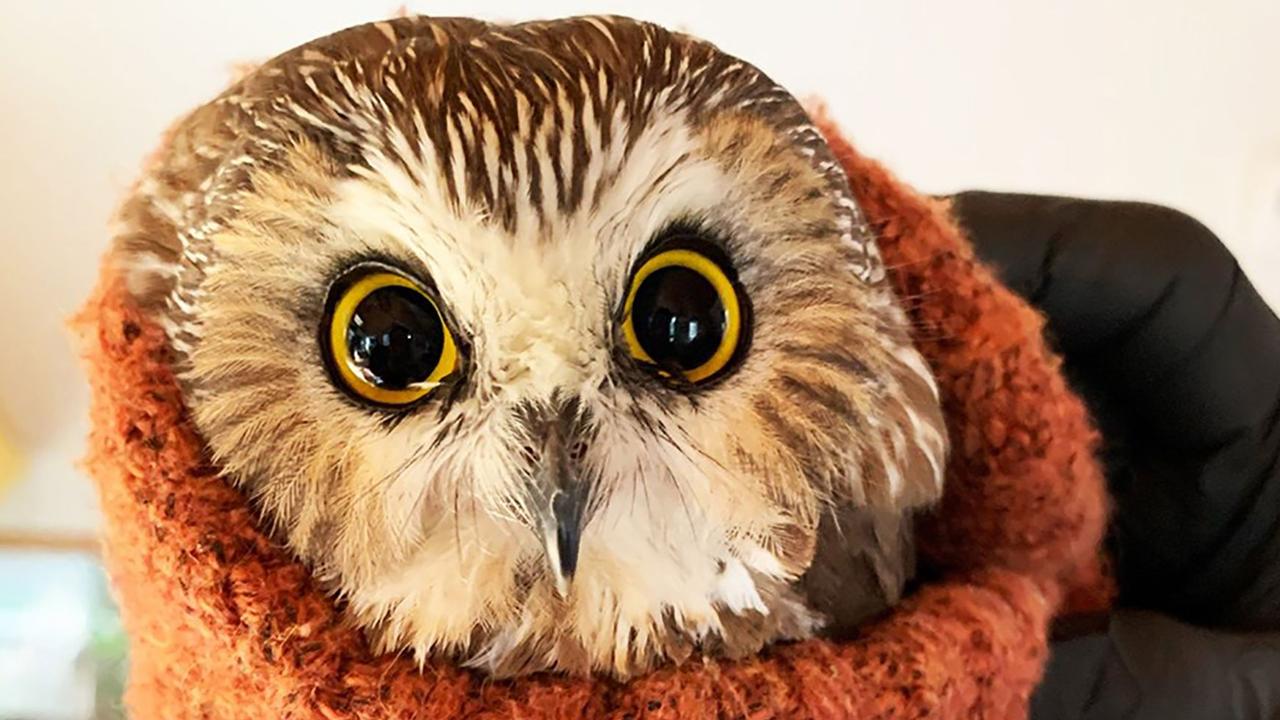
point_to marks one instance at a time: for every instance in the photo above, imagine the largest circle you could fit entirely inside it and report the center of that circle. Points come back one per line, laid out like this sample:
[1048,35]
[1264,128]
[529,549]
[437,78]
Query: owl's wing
[863,560]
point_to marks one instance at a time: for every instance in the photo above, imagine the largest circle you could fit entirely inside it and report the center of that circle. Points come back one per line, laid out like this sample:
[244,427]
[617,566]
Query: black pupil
[678,318]
[396,337]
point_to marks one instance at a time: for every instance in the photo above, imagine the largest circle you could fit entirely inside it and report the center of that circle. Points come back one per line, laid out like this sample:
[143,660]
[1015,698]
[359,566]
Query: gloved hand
[1179,360]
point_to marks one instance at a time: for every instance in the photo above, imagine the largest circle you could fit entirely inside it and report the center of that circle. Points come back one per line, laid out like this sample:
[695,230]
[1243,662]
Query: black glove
[1179,360]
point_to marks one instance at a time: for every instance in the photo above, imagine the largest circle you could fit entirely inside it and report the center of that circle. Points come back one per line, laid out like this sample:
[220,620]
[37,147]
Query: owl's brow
[514,116]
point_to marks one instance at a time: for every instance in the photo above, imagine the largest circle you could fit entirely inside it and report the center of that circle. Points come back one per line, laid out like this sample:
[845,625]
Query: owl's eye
[683,315]
[386,340]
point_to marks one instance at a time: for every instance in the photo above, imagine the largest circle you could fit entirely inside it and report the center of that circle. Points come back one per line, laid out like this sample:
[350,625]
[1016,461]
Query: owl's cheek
[457,580]
[751,461]
[761,490]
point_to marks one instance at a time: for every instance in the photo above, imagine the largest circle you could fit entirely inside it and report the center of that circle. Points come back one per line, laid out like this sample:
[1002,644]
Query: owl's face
[546,346]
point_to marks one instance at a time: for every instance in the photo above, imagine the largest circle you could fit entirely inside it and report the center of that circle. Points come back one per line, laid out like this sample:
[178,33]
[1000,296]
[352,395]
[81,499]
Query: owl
[556,346]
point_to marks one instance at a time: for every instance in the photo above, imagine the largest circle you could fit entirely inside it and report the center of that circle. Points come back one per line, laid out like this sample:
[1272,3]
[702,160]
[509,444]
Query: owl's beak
[559,488]
[567,505]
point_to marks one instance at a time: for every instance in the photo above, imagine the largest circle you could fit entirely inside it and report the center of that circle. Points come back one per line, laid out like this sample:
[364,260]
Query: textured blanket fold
[224,623]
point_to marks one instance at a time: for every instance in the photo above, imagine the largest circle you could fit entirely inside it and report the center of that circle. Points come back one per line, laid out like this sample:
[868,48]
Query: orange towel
[225,624]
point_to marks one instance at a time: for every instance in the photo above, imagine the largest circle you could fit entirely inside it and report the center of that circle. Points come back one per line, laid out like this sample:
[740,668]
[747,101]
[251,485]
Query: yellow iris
[359,379]
[725,291]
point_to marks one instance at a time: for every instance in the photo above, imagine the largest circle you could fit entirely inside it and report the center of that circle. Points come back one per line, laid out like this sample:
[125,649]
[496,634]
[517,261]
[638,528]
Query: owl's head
[545,345]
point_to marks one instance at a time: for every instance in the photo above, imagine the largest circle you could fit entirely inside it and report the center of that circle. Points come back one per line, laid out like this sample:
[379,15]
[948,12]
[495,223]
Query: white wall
[1174,102]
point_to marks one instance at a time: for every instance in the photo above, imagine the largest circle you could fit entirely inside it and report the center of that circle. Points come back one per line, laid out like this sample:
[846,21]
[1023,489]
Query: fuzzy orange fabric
[224,623]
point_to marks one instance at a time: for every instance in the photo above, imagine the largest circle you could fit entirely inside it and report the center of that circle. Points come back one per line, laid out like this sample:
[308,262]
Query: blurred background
[1176,103]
